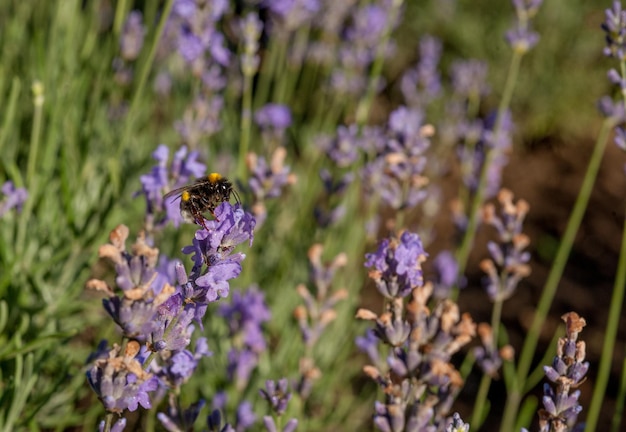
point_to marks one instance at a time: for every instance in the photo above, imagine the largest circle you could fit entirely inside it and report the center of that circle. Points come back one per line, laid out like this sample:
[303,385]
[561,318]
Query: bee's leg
[200,220]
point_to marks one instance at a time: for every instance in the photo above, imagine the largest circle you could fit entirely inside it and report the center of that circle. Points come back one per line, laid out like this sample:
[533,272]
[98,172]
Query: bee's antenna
[236,195]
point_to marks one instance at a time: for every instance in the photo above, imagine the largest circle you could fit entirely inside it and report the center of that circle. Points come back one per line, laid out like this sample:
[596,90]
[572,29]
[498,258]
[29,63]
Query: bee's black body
[204,195]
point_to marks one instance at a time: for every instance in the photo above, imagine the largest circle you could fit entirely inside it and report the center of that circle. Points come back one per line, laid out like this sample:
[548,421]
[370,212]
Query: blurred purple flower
[446,274]
[469,78]
[131,40]
[274,116]
[13,198]
[421,84]
[176,420]
[277,394]
[615,28]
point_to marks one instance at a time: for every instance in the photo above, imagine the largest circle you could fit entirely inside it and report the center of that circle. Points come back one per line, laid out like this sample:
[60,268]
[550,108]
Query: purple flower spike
[273,116]
[120,381]
[397,265]
[561,404]
[214,261]
[277,394]
[13,198]
[132,37]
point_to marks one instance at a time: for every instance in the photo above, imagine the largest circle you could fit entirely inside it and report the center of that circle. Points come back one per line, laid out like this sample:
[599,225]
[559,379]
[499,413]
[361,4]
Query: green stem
[619,402]
[549,290]
[610,335]
[363,108]
[246,126]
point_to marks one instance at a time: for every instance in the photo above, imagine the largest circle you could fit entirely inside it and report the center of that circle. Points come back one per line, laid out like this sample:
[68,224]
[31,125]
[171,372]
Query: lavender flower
[245,315]
[521,38]
[568,370]
[291,14]
[421,84]
[215,263]
[615,28]
[119,380]
[201,120]
[446,274]
[457,424]
[251,28]
[180,420]
[144,289]
[397,265]
[396,173]
[273,119]
[13,198]
[317,312]
[273,116]
[487,356]
[132,37]
[276,393]
[118,426]
[508,263]
[267,180]
[198,40]
[469,78]
[419,382]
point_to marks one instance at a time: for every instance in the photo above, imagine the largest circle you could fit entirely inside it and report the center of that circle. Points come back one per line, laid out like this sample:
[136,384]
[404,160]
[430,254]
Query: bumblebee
[204,195]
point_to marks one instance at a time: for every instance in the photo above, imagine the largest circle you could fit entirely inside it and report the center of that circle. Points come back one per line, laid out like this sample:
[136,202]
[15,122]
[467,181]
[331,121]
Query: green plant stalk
[610,335]
[485,382]
[363,108]
[246,126]
[619,403]
[9,119]
[120,14]
[470,233]
[549,290]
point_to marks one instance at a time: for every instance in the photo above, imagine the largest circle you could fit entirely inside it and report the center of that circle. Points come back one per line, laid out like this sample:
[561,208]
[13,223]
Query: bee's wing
[176,192]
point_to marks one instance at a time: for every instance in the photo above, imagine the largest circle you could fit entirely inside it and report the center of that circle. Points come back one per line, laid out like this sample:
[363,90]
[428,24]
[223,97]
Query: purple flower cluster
[446,274]
[245,315]
[487,356]
[277,395]
[201,120]
[215,261]
[508,262]
[273,120]
[13,198]
[521,37]
[196,35]
[418,379]
[615,28]
[359,47]
[160,318]
[317,312]
[421,84]
[267,180]
[560,401]
[133,33]
[397,265]
[119,379]
[162,179]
